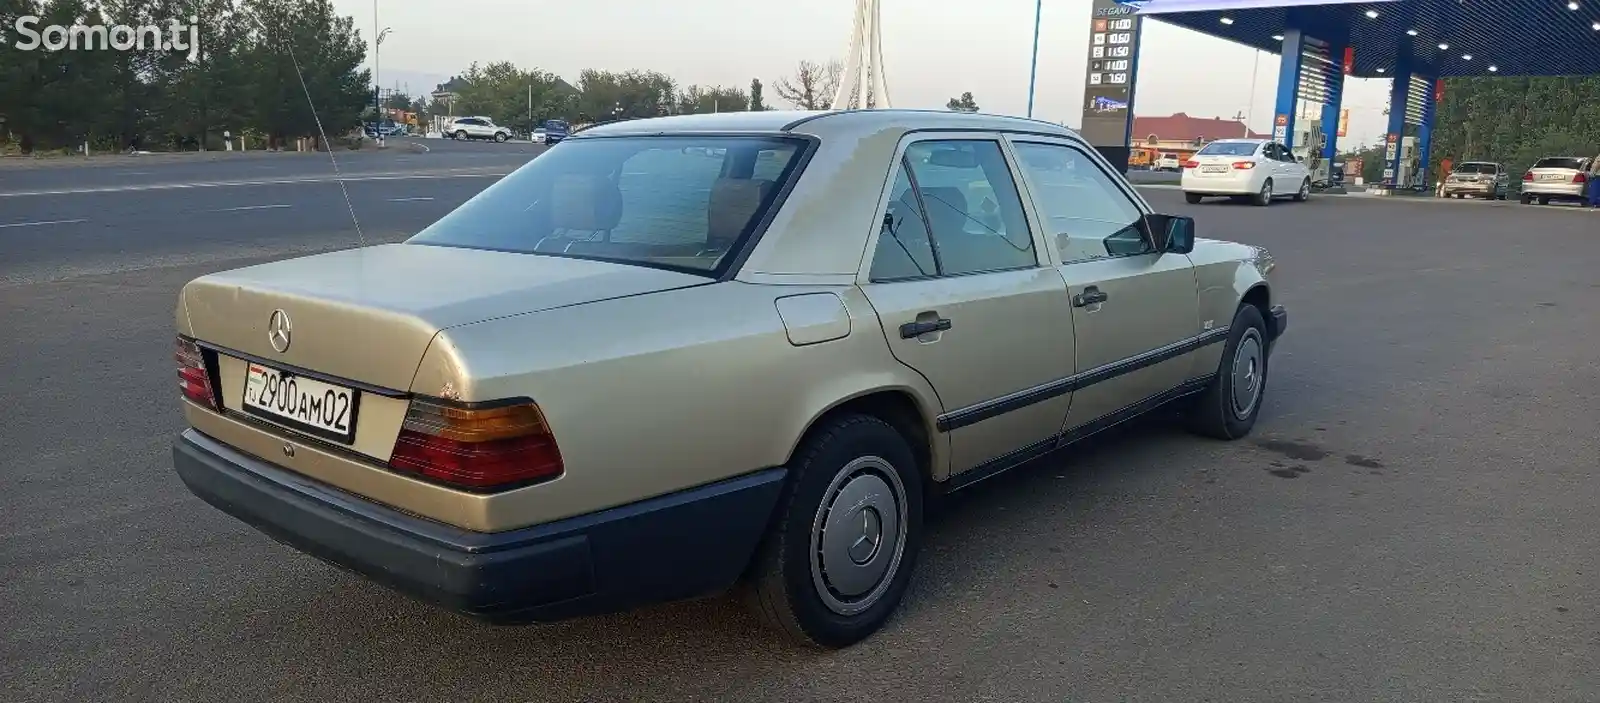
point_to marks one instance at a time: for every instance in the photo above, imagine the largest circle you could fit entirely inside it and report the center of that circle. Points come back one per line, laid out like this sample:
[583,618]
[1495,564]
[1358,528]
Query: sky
[933,50]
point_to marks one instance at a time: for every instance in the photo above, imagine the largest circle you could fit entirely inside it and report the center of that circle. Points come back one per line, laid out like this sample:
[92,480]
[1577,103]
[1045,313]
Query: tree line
[1511,121]
[257,62]
[273,71]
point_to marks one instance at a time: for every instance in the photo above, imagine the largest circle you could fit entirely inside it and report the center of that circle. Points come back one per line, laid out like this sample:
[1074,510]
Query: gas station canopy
[1453,37]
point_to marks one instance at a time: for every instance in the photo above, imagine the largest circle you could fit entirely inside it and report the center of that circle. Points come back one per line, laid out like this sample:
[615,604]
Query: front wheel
[844,541]
[1228,407]
[500,137]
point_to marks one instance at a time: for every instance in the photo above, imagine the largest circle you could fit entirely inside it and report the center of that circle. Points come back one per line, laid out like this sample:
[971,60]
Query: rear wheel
[1264,197]
[1305,191]
[1192,198]
[1228,407]
[461,134]
[1544,200]
[844,542]
[1526,199]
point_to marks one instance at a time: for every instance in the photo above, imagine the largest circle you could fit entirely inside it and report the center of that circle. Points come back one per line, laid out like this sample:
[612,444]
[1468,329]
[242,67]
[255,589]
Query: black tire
[1215,412]
[1544,200]
[500,137]
[462,135]
[1263,198]
[1304,193]
[1527,199]
[1192,198]
[790,589]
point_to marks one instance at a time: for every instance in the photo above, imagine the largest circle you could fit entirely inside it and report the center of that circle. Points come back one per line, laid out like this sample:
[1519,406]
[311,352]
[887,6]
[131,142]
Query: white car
[477,128]
[1258,169]
[1167,162]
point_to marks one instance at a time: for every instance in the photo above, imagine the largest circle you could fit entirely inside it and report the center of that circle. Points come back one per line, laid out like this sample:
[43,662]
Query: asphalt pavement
[1413,520]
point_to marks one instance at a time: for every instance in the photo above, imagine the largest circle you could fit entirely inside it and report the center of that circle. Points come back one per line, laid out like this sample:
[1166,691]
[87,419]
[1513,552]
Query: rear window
[1572,162]
[1477,168]
[1228,149]
[682,203]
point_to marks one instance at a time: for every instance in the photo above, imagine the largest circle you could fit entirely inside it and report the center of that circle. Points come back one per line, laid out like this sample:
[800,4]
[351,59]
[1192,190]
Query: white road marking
[250,207]
[408,200]
[276,181]
[42,223]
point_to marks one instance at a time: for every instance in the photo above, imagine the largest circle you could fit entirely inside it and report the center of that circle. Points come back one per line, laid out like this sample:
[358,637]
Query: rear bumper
[1573,191]
[673,547]
[1235,183]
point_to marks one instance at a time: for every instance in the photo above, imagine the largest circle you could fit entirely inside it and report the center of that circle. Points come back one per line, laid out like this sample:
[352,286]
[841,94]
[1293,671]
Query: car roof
[1239,140]
[828,123]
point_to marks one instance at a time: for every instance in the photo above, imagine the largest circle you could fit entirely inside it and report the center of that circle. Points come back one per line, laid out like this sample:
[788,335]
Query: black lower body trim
[974,414]
[673,547]
[1004,463]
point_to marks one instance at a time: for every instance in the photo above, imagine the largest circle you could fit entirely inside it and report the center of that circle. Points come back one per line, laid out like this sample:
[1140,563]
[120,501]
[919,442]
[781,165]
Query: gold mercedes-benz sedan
[673,356]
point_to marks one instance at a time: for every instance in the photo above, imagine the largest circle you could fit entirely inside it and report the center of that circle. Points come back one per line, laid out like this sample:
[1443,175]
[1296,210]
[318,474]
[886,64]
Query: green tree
[606,95]
[700,100]
[513,97]
[962,104]
[756,102]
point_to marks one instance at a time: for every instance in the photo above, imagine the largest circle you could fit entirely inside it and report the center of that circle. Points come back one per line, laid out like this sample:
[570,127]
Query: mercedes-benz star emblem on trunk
[278,331]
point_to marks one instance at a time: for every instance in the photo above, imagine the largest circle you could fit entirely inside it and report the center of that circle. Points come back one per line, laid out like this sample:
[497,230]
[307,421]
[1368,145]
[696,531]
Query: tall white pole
[864,83]
[1251,109]
[377,87]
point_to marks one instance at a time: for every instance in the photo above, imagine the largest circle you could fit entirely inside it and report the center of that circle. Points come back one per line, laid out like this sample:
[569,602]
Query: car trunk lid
[367,315]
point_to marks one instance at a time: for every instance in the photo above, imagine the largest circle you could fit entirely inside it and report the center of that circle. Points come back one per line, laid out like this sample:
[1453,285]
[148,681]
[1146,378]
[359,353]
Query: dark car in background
[556,130]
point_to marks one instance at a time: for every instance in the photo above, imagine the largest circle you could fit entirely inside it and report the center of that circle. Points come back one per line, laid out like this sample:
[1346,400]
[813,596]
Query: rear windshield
[1572,162]
[682,203]
[1228,149]
[1477,168]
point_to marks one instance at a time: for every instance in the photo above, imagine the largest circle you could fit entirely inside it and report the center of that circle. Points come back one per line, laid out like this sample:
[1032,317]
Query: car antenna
[321,133]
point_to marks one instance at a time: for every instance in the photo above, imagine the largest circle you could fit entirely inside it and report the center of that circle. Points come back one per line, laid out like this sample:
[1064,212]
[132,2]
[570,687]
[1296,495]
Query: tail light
[1527,176]
[1244,165]
[193,376]
[478,447]
[1191,163]
[1580,178]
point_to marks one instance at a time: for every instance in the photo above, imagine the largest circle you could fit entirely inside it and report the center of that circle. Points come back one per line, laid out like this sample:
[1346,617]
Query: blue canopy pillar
[1399,95]
[1283,116]
[1332,109]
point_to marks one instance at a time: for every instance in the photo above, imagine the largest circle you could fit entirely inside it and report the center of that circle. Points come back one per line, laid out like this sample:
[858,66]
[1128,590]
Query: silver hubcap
[1305,190]
[1247,374]
[858,535]
[1266,191]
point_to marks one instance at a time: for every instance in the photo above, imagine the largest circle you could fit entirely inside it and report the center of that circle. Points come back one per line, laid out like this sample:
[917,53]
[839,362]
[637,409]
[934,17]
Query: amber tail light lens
[193,377]
[477,447]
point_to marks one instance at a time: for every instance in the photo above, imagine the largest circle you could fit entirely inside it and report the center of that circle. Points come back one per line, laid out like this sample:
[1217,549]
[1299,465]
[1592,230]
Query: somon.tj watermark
[175,36]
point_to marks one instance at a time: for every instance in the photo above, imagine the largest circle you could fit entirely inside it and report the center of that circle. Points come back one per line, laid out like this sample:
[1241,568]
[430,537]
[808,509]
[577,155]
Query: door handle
[1089,296]
[913,330]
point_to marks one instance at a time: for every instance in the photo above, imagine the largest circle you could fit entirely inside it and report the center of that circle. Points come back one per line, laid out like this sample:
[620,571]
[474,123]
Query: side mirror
[1171,233]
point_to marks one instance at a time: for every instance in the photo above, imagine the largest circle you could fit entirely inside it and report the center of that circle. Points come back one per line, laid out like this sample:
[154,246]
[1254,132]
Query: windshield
[681,203]
[1229,149]
[1477,168]
[1569,162]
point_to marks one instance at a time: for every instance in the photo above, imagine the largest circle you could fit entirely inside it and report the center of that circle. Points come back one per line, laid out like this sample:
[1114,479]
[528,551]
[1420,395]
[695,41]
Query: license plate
[1552,177]
[1213,169]
[306,404]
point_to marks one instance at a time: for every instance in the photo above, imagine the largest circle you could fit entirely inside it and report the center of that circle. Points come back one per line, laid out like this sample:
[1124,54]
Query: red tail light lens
[1580,178]
[1244,165]
[1191,164]
[193,377]
[478,448]
[1527,176]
